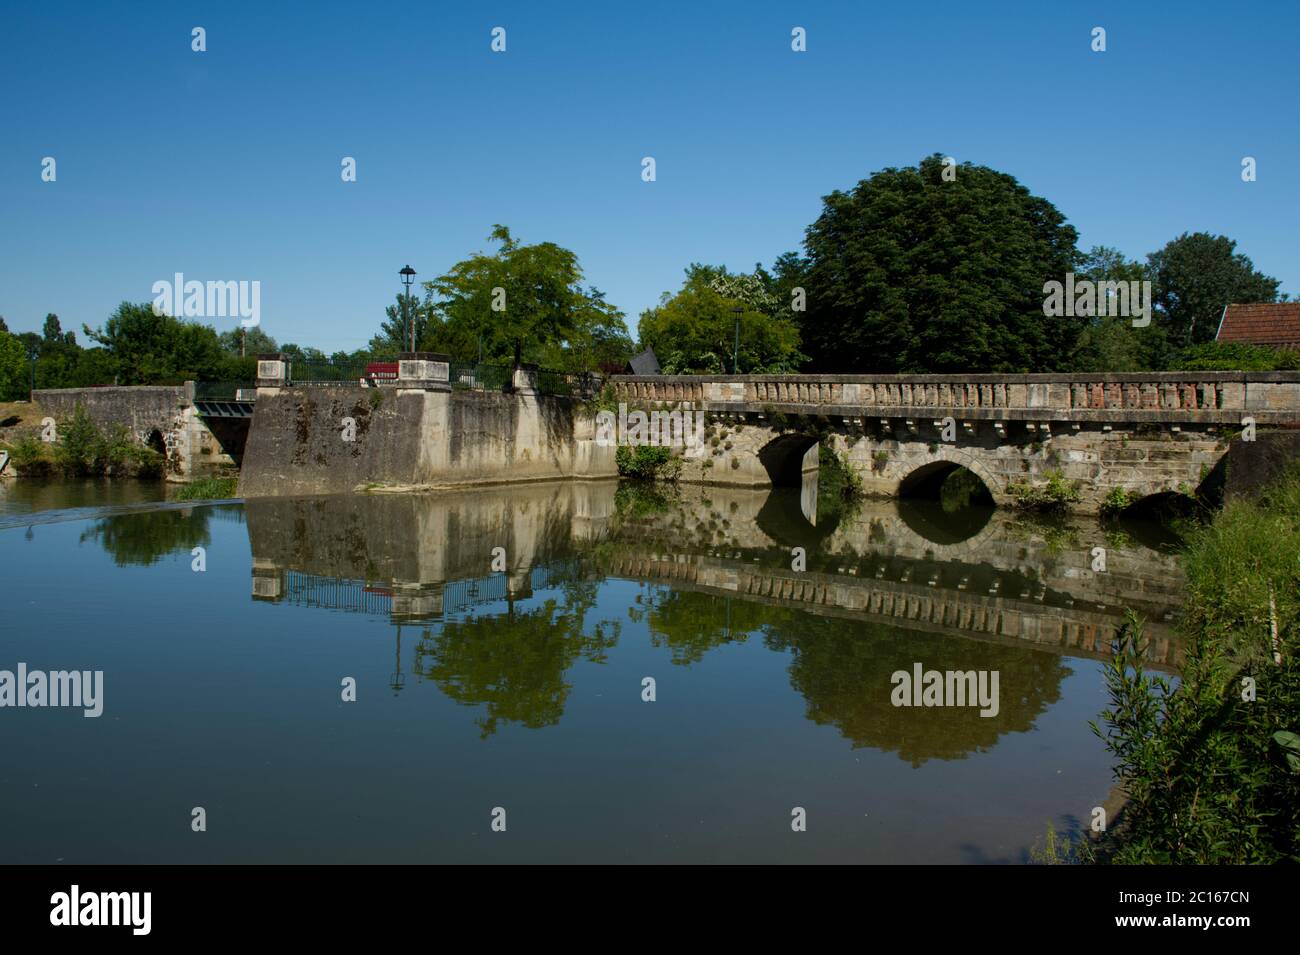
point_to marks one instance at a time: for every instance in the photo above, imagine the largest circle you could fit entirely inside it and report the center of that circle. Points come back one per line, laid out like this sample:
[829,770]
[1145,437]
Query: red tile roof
[1276,324]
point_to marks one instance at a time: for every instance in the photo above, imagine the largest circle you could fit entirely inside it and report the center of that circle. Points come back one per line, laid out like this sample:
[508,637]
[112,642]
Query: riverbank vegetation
[82,449]
[207,489]
[1208,762]
[647,462]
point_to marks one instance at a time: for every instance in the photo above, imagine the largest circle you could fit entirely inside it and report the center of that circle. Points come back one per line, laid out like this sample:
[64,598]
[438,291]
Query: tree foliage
[912,272]
[1112,343]
[148,348]
[1195,276]
[14,370]
[525,300]
[695,329]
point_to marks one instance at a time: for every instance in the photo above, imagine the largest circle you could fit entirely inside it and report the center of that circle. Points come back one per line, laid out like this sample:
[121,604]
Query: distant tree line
[927,268]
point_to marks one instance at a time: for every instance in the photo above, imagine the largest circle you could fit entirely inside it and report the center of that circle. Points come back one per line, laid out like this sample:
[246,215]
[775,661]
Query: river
[613,673]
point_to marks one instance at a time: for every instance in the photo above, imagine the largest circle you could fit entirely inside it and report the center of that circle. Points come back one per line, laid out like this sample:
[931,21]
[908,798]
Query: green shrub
[78,445]
[1235,356]
[643,461]
[32,457]
[1117,500]
[1057,494]
[1205,762]
[82,450]
[207,489]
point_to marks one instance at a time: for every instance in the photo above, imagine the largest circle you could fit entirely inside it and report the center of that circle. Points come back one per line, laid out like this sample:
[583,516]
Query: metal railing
[222,390]
[580,384]
[469,376]
[327,372]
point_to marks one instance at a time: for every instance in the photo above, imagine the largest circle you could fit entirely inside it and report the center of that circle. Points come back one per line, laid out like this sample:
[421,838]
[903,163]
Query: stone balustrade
[1208,397]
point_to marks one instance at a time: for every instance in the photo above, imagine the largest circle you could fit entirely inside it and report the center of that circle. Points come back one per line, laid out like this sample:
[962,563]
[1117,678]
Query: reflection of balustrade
[406,599]
[1037,617]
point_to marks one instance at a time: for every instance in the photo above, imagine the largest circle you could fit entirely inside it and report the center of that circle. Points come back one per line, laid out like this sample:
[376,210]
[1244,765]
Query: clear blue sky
[225,165]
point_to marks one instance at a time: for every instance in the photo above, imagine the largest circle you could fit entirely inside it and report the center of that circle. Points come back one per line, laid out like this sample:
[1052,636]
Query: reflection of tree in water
[514,663]
[690,624]
[843,670]
[145,537]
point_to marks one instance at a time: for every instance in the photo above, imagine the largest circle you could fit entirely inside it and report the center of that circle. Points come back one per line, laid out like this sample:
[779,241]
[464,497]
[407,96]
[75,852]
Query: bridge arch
[783,458]
[947,459]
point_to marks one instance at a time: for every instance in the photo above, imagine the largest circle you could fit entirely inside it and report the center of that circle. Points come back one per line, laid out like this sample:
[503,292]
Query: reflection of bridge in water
[429,601]
[922,599]
[423,558]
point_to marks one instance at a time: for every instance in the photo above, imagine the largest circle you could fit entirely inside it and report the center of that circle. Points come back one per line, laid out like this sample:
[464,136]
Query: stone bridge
[168,418]
[1148,433]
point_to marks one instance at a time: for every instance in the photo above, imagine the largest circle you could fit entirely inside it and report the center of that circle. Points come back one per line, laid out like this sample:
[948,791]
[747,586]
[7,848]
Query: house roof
[1273,323]
[645,363]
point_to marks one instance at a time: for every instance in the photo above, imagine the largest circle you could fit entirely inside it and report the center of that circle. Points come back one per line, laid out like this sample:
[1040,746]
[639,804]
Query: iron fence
[222,390]
[581,384]
[326,372]
[475,377]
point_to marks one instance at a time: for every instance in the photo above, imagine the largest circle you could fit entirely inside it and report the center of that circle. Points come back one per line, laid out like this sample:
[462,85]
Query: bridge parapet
[1206,397]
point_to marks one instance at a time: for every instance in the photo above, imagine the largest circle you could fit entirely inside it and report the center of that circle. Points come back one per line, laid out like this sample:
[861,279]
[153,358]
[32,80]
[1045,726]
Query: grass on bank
[207,489]
[1211,763]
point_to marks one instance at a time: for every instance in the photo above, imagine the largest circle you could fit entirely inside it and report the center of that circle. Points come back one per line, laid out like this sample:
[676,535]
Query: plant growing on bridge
[1119,499]
[646,462]
[838,483]
[1056,494]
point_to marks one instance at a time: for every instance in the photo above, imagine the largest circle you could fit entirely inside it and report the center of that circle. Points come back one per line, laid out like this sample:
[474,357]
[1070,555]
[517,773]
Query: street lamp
[31,353]
[735,355]
[408,276]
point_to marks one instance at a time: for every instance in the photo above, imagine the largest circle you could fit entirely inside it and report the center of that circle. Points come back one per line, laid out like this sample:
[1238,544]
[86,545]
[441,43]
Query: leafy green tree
[1195,275]
[395,334]
[695,329]
[51,331]
[15,373]
[303,354]
[150,348]
[247,342]
[912,271]
[524,300]
[1111,343]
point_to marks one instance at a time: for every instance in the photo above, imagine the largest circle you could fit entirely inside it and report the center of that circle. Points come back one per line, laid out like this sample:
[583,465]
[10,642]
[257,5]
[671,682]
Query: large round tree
[936,268]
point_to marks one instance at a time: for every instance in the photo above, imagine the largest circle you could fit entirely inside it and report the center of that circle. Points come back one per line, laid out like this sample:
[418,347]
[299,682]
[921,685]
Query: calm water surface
[523,689]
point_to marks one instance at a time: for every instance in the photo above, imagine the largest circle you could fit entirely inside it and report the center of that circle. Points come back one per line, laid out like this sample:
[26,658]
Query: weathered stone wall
[1101,461]
[1251,465]
[413,439]
[168,410]
[747,451]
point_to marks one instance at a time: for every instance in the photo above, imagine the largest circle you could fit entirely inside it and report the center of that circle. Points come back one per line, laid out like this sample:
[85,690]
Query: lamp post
[735,355]
[408,276]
